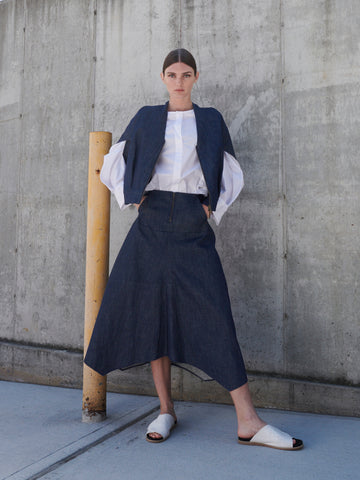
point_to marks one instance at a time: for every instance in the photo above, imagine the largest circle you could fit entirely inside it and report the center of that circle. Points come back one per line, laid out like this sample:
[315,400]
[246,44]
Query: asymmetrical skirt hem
[190,368]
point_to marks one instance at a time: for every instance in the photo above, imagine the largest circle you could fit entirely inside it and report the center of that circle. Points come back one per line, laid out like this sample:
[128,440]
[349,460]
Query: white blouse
[178,167]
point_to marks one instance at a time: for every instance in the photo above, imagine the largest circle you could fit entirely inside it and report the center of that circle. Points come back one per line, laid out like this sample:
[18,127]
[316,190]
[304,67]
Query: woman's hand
[206,208]
[137,205]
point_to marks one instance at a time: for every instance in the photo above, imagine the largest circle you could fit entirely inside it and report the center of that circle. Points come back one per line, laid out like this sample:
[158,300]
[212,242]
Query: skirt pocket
[203,211]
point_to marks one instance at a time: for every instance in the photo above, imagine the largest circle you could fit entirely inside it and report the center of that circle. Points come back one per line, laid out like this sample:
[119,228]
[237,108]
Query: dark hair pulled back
[179,55]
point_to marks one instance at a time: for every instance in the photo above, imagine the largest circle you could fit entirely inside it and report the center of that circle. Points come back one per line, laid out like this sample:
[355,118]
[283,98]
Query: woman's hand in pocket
[137,205]
[206,208]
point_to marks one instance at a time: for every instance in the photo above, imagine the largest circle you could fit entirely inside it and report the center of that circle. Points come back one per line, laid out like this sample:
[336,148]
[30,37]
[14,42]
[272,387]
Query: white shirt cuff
[232,183]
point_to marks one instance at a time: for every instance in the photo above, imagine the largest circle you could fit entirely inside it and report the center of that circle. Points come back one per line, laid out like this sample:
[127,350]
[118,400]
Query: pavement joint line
[77,448]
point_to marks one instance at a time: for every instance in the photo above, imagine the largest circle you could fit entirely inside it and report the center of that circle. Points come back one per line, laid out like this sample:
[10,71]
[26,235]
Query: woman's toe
[154,435]
[297,443]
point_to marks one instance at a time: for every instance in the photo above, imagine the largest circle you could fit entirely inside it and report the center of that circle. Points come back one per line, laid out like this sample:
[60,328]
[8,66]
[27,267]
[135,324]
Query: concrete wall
[285,76]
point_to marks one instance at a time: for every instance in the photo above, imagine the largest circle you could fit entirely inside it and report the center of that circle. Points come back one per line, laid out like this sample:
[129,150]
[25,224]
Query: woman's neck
[180,105]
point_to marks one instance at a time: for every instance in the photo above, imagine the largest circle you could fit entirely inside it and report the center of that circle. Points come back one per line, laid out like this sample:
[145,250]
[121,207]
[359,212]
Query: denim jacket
[145,137]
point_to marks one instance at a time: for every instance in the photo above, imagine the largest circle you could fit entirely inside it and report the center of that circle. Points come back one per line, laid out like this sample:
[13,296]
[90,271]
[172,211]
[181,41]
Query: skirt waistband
[167,194]
[173,211]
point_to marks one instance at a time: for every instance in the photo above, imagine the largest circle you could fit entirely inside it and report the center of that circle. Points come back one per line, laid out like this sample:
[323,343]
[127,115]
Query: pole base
[93,417]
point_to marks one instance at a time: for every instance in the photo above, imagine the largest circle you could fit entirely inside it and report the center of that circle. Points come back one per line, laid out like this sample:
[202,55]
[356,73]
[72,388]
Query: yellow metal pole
[97,270]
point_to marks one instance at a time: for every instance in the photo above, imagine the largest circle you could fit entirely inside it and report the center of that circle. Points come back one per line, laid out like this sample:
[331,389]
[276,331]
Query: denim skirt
[167,296]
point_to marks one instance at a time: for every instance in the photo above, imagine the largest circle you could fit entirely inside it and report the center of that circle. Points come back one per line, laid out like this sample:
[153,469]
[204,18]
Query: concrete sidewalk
[42,436]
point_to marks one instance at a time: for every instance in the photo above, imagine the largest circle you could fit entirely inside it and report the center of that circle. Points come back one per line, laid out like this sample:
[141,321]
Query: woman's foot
[249,428]
[249,423]
[157,436]
[269,436]
[159,430]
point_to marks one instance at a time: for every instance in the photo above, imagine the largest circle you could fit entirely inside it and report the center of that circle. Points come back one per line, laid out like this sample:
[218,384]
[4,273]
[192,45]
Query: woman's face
[179,79]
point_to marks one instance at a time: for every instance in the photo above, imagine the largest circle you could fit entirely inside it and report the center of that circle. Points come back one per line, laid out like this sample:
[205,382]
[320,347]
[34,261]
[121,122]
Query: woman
[167,300]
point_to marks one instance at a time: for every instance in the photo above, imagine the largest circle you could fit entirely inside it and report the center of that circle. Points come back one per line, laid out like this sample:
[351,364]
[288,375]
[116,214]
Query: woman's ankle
[250,426]
[168,408]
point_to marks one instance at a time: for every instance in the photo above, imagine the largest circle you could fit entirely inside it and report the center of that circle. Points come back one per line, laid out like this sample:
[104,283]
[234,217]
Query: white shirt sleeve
[232,182]
[113,171]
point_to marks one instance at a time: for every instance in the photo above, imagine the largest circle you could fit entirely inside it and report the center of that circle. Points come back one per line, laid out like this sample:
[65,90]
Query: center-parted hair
[179,55]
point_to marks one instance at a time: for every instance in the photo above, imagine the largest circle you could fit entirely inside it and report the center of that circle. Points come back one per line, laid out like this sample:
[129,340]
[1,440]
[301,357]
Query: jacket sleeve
[130,129]
[113,171]
[232,182]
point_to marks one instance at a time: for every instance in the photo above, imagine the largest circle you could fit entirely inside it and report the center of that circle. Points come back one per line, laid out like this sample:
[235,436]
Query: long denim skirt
[167,296]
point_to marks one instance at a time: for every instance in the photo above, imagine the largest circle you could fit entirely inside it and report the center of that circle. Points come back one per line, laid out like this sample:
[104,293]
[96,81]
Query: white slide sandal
[162,425]
[272,437]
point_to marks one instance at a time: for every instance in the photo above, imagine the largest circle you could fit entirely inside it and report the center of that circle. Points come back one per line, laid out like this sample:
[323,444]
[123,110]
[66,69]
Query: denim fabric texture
[145,137]
[167,296]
